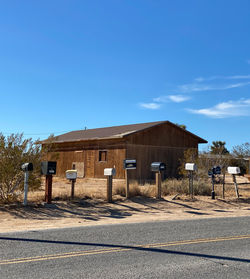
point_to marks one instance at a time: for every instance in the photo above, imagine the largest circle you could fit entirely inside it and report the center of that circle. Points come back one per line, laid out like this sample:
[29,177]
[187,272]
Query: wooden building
[90,151]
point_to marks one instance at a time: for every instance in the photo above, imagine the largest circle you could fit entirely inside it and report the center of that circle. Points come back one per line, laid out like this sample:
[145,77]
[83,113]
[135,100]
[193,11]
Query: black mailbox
[217,170]
[129,164]
[48,168]
[27,167]
[158,166]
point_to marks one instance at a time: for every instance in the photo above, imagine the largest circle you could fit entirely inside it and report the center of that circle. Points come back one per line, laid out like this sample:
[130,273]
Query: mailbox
[210,173]
[190,167]
[158,166]
[233,170]
[216,170]
[109,172]
[71,174]
[129,164]
[48,168]
[27,167]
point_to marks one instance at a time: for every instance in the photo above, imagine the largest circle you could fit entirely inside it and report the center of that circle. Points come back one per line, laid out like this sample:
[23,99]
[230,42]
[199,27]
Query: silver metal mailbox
[233,170]
[191,167]
[27,167]
[109,172]
[71,174]
[158,166]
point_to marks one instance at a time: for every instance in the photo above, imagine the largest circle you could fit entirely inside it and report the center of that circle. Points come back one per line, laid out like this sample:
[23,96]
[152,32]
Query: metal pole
[26,178]
[213,193]
[158,184]
[236,186]
[48,189]
[127,183]
[223,186]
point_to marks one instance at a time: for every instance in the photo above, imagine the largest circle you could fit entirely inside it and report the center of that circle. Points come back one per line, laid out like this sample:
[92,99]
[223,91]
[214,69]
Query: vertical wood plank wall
[165,143]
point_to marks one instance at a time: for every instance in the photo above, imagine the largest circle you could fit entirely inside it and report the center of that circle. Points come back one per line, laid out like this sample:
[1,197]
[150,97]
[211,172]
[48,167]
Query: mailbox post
[191,168]
[158,167]
[211,173]
[72,175]
[234,171]
[27,167]
[109,172]
[128,164]
[48,168]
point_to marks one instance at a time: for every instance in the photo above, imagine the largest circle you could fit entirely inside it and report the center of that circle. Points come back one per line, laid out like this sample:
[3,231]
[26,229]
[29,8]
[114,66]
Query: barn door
[90,163]
[79,166]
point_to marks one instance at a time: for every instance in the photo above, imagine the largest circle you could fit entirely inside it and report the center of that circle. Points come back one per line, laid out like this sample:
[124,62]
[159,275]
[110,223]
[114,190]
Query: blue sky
[66,65]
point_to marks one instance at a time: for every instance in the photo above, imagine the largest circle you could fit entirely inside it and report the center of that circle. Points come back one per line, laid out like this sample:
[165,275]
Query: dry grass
[134,190]
[96,189]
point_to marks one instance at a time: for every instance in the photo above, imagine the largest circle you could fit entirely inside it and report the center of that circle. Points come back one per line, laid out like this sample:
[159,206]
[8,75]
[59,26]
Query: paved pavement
[207,248]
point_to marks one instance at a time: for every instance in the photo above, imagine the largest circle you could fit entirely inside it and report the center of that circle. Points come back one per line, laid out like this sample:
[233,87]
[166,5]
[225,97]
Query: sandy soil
[95,211]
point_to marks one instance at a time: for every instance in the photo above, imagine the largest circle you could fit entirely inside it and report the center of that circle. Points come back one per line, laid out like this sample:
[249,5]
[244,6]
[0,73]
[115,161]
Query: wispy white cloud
[213,83]
[226,109]
[153,106]
[172,98]
[200,84]
[202,79]
[197,87]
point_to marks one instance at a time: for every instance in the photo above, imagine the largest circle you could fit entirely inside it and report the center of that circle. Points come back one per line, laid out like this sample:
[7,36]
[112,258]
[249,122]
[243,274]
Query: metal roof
[110,132]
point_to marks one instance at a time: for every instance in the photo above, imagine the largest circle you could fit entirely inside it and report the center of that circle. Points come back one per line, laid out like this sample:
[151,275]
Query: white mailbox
[71,174]
[191,167]
[110,171]
[233,170]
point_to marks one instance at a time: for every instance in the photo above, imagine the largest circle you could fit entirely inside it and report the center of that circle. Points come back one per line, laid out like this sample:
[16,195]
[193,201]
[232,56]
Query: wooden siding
[163,135]
[88,153]
[164,142]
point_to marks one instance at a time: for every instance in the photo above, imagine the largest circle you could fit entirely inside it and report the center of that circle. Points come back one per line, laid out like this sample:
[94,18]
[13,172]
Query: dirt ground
[86,211]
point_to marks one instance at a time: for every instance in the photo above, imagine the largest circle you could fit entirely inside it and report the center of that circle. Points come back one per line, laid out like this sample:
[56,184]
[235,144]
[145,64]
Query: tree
[242,151]
[218,147]
[181,126]
[14,151]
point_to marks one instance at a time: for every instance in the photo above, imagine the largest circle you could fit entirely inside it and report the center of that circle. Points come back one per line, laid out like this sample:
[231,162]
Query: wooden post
[158,184]
[192,185]
[127,183]
[236,186]
[73,188]
[189,178]
[109,188]
[48,189]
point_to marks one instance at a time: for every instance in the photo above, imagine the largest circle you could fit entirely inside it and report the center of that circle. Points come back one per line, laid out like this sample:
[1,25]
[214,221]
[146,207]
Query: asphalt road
[207,248]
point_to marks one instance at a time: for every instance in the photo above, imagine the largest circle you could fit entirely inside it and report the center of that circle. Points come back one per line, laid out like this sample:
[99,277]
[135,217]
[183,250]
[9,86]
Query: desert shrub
[181,186]
[134,190]
[119,190]
[14,151]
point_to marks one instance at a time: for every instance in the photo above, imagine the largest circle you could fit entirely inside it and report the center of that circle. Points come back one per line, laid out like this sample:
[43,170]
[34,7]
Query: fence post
[158,184]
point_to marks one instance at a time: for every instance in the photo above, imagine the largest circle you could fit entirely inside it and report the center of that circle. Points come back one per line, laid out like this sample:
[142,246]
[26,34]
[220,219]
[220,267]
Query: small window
[102,156]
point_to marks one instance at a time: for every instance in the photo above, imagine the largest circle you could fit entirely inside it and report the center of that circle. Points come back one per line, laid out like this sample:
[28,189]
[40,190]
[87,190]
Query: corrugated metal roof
[108,132]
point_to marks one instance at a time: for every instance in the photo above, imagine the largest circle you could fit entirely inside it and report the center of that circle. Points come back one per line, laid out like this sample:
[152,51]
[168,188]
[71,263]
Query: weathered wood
[109,188]
[48,189]
[158,184]
[165,143]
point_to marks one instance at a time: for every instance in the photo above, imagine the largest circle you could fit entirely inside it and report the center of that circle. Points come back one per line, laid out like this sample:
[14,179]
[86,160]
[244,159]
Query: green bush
[14,151]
